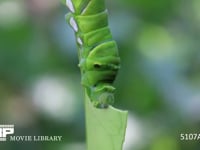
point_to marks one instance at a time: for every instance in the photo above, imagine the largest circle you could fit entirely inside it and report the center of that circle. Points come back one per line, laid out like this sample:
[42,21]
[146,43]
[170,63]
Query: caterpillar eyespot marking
[98,52]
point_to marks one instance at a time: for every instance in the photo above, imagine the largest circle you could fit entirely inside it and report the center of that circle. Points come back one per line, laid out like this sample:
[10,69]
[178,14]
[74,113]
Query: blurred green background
[159,80]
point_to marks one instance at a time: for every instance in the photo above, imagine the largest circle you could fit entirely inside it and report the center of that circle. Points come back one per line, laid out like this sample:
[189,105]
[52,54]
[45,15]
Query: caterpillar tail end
[104,102]
[102,96]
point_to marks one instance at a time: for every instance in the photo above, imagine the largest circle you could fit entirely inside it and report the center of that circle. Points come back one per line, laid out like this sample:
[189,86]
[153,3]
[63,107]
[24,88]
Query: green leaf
[105,127]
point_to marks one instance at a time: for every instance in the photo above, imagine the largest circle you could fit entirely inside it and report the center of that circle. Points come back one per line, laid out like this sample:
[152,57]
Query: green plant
[99,62]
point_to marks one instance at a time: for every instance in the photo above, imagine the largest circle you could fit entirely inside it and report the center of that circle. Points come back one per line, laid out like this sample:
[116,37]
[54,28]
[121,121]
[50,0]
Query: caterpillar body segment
[98,53]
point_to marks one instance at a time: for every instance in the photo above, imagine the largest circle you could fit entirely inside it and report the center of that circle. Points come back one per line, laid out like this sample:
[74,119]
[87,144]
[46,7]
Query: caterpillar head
[102,95]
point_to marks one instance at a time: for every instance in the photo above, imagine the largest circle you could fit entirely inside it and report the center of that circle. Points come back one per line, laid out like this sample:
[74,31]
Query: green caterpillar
[98,53]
